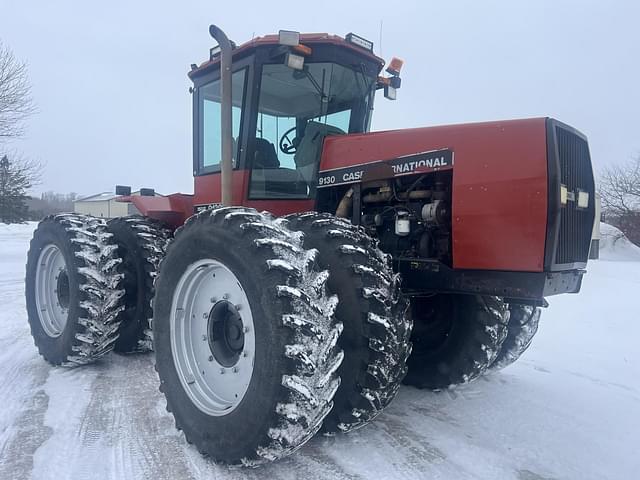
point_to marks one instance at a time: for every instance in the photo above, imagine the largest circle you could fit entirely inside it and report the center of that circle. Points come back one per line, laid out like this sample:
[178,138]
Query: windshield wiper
[324,99]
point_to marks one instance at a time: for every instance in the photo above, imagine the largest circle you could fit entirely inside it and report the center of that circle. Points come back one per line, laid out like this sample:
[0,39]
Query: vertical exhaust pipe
[226,167]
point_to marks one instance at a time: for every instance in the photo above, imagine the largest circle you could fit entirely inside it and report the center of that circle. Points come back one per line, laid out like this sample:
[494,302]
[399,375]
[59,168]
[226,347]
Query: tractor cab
[289,92]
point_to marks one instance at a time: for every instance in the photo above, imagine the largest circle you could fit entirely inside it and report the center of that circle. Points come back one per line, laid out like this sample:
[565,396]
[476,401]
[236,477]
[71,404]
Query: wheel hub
[62,289]
[212,343]
[52,290]
[225,333]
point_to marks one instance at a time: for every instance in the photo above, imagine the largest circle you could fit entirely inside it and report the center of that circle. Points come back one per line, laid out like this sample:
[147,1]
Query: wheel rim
[212,337]
[52,291]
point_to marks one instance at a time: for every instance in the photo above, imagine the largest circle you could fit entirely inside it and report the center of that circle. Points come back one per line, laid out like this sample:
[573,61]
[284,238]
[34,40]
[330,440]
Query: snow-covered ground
[570,409]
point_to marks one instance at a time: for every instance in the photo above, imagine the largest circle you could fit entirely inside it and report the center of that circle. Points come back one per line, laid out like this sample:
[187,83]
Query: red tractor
[317,265]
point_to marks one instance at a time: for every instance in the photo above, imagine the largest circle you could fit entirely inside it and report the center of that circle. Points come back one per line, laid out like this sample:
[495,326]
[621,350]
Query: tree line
[17,173]
[619,188]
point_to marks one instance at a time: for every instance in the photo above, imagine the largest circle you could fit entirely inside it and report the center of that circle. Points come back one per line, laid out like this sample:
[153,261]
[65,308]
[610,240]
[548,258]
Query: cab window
[210,128]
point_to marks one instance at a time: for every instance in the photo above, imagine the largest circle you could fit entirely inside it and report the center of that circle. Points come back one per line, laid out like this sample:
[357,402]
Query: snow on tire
[142,243]
[73,289]
[455,338]
[245,336]
[374,314]
[523,325]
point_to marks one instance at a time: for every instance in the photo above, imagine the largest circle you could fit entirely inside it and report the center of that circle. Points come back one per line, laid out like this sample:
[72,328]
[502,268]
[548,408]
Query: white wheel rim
[52,291]
[214,369]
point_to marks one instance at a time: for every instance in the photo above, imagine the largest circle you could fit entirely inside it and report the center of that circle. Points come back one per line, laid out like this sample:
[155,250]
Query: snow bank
[615,246]
[17,228]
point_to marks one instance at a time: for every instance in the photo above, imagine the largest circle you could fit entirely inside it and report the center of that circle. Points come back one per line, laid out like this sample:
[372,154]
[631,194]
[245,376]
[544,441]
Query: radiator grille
[575,224]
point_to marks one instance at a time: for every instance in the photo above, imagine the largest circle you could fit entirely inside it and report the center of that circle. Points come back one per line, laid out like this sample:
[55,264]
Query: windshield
[297,110]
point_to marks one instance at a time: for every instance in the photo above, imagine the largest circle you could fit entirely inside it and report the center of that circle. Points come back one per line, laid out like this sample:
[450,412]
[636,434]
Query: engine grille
[576,224]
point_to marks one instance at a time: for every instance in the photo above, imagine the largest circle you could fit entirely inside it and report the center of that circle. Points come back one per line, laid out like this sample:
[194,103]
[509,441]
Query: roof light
[123,190]
[303,50]
[359,41]
[395,65]
[294,61]
[288,37]
[214,52]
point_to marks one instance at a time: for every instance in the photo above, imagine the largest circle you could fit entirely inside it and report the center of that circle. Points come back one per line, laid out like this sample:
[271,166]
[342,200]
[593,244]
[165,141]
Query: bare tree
[620,192]
[16,103]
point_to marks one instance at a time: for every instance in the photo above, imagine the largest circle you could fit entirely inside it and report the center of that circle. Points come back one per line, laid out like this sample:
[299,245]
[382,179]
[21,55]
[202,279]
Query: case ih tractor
[317,265]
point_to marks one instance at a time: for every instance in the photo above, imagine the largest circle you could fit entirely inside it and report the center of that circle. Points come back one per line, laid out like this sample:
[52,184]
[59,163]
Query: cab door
[207,134]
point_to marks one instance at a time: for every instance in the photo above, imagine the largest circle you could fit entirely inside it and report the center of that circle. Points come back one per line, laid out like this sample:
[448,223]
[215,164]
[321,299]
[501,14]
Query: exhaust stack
[226,167]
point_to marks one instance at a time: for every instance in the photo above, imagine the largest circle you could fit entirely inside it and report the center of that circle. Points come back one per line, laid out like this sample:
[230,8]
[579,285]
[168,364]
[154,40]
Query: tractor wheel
[141,245]
[523,325]
[455,339]
[245,336]
[72,289]
[376,323]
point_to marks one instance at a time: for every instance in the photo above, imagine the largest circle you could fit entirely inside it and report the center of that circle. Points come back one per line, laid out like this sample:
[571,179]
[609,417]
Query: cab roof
[308,39]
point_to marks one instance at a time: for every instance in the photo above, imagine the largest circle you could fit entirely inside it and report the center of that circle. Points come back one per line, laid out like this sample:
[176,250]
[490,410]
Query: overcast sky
[109,78]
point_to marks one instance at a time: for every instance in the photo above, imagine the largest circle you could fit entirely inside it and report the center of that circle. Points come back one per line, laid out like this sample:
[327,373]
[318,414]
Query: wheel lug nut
[211,358]
[245,354]
[235,369]
[238,307]
[213,299]
[245,329]
[225,296]
[205,315]
[204,338]
[222,370]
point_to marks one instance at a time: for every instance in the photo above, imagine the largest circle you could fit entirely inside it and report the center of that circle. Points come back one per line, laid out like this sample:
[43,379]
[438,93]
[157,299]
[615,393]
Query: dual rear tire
[73,289]
[141,244]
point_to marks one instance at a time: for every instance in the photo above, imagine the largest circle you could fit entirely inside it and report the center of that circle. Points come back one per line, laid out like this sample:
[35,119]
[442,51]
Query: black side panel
[420,277]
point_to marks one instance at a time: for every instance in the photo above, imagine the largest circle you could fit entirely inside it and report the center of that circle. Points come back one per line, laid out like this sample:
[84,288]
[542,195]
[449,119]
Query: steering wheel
[286,144]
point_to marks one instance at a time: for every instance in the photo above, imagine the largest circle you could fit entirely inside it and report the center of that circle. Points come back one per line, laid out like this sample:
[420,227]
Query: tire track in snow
[120,434]
[27,435]
[22,376]
[60,456]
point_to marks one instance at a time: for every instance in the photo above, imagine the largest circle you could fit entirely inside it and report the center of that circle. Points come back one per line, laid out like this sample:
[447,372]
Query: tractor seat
[265,155]
[269,179]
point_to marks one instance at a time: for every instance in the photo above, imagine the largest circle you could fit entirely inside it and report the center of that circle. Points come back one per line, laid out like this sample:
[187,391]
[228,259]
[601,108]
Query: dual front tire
[456,339]
[245,336]
[377,326]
